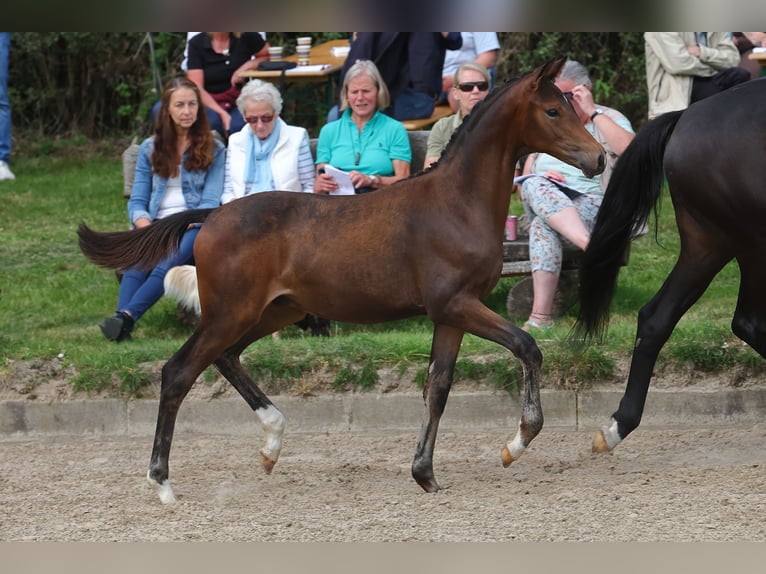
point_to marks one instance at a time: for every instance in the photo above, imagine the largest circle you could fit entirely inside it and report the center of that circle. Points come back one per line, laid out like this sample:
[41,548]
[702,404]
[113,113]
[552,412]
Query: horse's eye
[552,112]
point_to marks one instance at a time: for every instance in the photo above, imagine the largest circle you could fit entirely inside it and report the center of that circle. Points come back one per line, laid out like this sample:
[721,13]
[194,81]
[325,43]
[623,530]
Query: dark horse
[428,245]
[713,156]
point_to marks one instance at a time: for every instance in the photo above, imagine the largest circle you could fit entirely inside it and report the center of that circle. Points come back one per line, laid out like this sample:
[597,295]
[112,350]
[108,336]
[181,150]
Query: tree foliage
[104,83]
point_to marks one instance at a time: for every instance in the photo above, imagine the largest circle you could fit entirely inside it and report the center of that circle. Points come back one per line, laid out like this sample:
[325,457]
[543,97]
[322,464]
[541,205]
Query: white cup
[304,41]
[275,53]
[304,55]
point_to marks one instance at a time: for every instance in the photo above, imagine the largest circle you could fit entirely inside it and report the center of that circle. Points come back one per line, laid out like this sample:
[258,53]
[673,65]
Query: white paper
[522,178]
[310,69]
[759,50]
[338,51]
[345,187]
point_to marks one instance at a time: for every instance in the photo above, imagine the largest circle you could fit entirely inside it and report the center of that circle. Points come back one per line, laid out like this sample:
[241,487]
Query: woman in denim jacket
[180,167]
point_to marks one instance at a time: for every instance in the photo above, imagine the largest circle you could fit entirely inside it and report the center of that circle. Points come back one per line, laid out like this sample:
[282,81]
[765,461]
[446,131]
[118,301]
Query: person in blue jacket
[180,167]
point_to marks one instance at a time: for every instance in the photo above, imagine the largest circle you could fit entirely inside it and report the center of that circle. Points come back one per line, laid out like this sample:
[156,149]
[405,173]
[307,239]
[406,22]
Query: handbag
[282,66]
[228,99]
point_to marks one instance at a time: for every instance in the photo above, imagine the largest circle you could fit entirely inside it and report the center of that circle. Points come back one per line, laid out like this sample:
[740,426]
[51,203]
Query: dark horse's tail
[634,189]
[144,247]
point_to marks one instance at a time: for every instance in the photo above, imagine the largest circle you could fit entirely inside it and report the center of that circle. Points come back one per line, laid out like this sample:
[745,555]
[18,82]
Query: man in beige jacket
[683,67]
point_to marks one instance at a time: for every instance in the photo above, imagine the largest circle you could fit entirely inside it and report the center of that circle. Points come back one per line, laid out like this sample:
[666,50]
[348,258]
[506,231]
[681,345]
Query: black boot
[117,328]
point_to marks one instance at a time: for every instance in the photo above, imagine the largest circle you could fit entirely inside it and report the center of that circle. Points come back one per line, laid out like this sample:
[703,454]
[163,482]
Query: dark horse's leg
[444,350]
[749,323]
[180,372]
[471,316]
[693,272]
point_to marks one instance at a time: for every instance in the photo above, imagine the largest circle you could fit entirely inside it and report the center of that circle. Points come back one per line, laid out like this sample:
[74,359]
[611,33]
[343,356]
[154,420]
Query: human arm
[140,195]
[258,49]
[213,188]
[615,135]
[305,165]
[721,53]
[671,51]
[198,77]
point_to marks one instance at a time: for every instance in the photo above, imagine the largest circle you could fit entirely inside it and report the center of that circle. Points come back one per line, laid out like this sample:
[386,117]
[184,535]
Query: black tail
[144,247]
[633,191]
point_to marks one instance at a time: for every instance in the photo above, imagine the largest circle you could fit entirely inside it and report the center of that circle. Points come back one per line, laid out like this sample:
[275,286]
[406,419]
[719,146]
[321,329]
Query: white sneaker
[5,171]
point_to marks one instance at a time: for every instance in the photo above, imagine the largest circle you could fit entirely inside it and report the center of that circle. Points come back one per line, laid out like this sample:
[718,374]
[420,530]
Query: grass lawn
[52,299]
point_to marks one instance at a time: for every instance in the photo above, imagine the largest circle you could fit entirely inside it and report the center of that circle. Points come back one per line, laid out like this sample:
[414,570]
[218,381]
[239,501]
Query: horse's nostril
[601,162]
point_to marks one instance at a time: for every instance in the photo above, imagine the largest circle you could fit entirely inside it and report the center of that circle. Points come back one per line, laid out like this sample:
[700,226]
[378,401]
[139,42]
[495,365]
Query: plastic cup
[275,53]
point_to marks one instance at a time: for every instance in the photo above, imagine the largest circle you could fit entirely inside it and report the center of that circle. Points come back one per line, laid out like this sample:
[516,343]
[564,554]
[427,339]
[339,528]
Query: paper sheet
[345,187]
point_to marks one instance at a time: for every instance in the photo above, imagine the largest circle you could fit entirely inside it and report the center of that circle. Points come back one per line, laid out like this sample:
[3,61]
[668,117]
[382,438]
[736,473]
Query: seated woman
[560,201]
[373,147]
[470,87]
[214,62]
[180,167]
[267,153]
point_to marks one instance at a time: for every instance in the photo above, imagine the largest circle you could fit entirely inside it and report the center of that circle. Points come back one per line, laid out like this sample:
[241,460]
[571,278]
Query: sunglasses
[469,86]
[568,95]
[266,119]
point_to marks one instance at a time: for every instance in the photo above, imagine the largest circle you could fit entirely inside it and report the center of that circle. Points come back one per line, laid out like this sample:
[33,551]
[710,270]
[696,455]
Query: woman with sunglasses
[267,154]
[559,200]
[471,86]
[370,146]
[180,167]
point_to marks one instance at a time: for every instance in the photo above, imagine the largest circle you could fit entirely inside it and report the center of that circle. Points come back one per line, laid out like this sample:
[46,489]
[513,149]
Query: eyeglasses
[265,119]
[469,86]
[568,95]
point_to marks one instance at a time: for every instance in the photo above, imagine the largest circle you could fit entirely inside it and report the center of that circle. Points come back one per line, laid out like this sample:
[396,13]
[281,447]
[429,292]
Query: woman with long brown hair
[180,167]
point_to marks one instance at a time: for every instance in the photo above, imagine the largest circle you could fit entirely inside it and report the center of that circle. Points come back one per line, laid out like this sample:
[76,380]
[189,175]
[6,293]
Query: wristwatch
[598,112]
[375,180]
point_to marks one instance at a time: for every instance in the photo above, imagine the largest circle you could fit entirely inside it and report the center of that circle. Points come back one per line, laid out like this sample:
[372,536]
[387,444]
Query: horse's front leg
[444,350]
[475,318]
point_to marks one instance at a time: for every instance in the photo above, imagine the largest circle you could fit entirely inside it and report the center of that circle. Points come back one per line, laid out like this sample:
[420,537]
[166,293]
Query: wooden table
[321,55]
[759,57]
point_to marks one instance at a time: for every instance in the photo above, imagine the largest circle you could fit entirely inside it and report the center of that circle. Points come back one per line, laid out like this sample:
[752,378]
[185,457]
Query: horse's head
[552,126]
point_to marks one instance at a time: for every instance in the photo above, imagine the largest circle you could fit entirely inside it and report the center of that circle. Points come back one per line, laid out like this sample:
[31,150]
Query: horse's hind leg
[271,419]
[656,321]
[178,376]
[444,350]
[749,322]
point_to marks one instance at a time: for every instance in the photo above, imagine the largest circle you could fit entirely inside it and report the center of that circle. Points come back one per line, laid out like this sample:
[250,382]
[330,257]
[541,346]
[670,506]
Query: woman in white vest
[267,154]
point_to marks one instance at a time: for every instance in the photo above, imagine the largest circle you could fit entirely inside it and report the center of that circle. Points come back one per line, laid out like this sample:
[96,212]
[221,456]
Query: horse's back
[714,162]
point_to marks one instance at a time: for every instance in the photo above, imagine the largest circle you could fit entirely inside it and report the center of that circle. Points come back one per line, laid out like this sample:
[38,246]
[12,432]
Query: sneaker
[5,171]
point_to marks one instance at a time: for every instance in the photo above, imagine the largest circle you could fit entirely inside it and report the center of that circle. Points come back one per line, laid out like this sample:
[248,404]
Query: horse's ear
[548,72]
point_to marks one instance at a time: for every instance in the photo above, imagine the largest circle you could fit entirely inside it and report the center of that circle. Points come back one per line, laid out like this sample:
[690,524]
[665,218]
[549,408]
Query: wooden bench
[439,113]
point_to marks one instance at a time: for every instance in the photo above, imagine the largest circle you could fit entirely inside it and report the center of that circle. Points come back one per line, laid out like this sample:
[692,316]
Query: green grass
[52,299]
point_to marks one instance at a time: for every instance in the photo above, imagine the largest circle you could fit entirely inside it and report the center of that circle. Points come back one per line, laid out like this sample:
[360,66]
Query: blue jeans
[237,121]
[5,106]
[412,105]
[140,289]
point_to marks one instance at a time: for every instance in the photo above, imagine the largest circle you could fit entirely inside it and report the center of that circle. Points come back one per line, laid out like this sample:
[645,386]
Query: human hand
[554,175]
[360,179]
[694,50]
[225,119]
[583,97]
[325,184]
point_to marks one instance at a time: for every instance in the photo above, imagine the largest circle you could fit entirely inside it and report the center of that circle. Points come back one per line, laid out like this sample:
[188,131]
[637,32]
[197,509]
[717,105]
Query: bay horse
[427,245]
[712,155]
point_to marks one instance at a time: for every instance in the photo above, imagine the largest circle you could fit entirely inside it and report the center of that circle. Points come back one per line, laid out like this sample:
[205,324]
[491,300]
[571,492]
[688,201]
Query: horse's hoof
[267,463]
[429,485]
[164,489]
[599,443]
[506,457]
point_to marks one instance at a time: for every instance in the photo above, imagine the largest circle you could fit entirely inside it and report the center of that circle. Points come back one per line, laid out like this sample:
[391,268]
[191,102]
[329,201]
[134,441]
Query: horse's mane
[474,117]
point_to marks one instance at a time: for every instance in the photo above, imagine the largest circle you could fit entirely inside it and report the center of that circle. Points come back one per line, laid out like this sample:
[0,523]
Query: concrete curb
[379,412]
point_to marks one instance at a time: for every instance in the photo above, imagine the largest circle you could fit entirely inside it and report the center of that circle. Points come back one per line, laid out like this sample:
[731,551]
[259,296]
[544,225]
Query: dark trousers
[723,80]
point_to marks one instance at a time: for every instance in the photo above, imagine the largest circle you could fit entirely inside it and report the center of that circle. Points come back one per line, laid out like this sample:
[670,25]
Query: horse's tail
[181,284]
[634,190]
[144,247]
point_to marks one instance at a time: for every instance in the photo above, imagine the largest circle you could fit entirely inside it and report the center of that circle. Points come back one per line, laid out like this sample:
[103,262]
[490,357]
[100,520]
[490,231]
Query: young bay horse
[712,155]
[428,245]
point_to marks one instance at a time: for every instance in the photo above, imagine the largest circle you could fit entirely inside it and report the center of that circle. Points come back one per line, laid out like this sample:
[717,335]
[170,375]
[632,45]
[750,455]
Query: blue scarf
[258,173]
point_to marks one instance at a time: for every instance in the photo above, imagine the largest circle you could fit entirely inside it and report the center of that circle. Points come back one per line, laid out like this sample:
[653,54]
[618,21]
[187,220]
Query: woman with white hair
[372,147]
[267,154]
